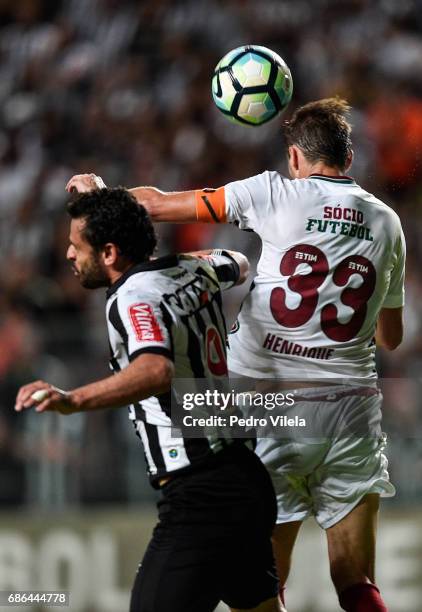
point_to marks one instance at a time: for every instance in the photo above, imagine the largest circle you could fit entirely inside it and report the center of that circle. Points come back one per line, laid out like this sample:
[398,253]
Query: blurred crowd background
[122,88]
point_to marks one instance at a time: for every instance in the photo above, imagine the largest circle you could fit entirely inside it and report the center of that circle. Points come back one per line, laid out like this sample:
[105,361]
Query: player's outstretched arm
[207,206]
[389,333]
[147,375]
[175,207]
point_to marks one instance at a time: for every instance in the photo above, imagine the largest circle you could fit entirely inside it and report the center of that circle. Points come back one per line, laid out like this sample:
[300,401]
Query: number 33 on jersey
[332,256]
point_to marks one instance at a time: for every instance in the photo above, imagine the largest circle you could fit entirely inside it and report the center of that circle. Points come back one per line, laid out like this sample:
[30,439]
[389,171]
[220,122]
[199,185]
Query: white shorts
[326,477]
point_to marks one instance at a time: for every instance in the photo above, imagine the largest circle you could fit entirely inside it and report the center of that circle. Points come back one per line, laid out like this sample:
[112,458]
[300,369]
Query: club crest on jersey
[144,323]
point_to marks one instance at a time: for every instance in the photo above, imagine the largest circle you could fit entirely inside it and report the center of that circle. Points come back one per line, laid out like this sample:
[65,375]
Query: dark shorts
[212,541]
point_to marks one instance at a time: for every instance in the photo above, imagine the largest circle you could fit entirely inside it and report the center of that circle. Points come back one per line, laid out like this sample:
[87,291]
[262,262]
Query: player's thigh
[176,574]
[247,563]
[351,544]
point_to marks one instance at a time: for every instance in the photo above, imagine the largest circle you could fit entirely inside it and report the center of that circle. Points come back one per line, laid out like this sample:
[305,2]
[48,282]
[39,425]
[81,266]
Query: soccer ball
[251,85]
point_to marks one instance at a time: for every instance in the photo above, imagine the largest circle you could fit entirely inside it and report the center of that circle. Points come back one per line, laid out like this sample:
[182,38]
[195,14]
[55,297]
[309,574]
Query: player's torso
[188,295]
[322,278]
[178,310]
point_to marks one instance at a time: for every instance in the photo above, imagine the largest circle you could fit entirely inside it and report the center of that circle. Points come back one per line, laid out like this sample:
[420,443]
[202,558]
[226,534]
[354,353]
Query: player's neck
[324,170]
[115,273]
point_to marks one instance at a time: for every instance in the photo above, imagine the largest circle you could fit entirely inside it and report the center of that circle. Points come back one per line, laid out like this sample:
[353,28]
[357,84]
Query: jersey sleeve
[248,200]
[395,294]
[226,268]
[142,323]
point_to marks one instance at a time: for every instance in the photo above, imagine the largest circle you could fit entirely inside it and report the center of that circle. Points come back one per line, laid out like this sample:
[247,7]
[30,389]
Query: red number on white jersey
[216,356]
[306,285]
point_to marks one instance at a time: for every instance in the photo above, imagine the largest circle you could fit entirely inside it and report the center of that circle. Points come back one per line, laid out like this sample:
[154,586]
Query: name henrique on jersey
[332,256]
[171,306]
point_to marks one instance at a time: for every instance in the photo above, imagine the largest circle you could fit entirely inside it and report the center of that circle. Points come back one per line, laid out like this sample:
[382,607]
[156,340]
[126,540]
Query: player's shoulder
[382,208]
[263,179]
[145,283]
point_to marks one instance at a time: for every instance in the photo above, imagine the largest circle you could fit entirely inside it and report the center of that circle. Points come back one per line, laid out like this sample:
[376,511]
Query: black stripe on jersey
[203,272]
[116,321]
[194,350]
[113,361]
[155,447]
[202,326]
[217,324]
[217,298]
[227,273]
[235,266]
[139,412]
[154,350]
[168,322]
[164,399]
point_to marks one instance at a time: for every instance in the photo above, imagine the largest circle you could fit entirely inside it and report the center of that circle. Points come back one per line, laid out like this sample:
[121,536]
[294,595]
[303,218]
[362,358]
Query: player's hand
[47,397]
[204,254]
[84,183]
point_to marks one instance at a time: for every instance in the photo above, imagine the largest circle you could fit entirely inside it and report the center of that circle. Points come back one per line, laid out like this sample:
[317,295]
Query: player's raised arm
[241,202]
[206,205]
[176,207]
[201,205]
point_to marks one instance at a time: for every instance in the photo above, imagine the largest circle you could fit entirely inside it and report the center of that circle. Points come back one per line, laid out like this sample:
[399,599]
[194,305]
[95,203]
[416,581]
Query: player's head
[109,232]
[319,134]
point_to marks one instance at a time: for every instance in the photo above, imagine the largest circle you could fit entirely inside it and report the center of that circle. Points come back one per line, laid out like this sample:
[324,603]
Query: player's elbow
[163,374]
[390,339]
[390,328]
[392,343]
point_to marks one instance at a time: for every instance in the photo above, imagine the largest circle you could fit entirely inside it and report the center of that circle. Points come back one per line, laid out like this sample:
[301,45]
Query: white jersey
[332,256]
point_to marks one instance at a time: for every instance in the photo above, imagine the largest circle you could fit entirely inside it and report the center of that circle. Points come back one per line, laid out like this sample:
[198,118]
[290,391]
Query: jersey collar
[346,180]
[168,261]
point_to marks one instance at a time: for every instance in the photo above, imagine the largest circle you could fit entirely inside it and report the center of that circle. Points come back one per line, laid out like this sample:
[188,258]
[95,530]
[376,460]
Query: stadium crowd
[122,88]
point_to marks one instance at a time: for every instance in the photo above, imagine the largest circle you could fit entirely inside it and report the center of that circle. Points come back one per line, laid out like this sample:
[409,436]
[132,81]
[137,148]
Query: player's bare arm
[147,375]
[201,205]
[207,205]
[389,333]
[176,207]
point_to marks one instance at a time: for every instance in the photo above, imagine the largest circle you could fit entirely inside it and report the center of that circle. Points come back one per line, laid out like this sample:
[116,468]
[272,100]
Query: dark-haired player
[165,319]
[330,279]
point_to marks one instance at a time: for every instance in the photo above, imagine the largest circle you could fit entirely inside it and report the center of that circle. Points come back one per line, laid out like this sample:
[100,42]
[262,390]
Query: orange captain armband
[211,205]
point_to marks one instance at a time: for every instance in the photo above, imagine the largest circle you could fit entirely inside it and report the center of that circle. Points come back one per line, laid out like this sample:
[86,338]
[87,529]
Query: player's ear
[110,254]
[293,161]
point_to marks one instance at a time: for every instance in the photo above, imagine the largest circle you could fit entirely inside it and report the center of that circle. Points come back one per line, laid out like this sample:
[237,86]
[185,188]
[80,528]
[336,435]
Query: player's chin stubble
[92,276]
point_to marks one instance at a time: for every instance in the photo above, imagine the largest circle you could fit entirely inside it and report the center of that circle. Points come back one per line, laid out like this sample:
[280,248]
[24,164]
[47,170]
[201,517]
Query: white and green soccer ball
[251,85]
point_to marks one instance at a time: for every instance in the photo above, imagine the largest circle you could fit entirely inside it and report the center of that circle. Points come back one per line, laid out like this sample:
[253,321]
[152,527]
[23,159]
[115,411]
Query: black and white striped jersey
[171,306]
